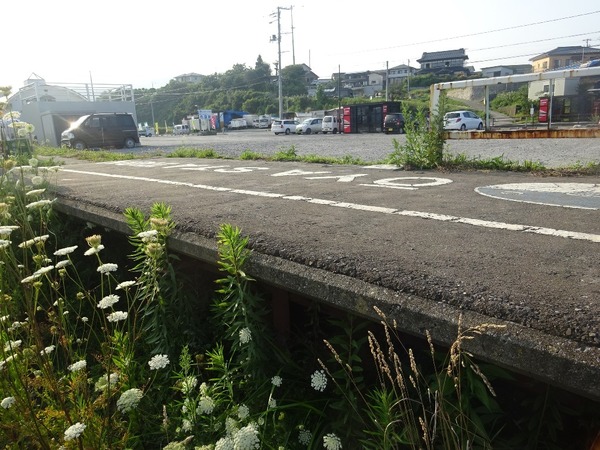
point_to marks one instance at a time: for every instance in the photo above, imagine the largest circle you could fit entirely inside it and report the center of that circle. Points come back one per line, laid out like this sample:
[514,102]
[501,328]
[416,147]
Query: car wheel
[129,143]
[324,132]
[307,131]
[287,131]
[79,145]
[463,127]
[480,126]
[335,131]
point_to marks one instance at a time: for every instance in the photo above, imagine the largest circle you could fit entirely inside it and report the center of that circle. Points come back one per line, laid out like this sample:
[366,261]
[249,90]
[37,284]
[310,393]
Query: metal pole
[387,79]
[280,86]
[293,48]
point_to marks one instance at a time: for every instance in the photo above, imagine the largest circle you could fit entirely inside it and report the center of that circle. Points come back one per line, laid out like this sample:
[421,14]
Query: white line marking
[356,206]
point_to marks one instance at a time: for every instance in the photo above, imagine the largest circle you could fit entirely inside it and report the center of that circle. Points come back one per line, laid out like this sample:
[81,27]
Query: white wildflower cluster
[65,251]
[31,242]
[245,335]
[243,411]
[276,381]
[47,350]
[206,405]
[34,192]
[6,230]
[245,438]
[124,285]
[108,301]
[38,204]
[304,437]
[62,264]
[107,380]
[12,345]
[148,236]
[106,268]
[94,250]
[332,442]
[272,403]
[158,362]
[318,380]
[129,400]
[7,402]
[74,431]
[77,366]
[117,316]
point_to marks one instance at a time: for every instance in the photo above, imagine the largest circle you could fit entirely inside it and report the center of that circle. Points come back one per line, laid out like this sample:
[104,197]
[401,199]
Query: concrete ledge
[558,361]
[534,133]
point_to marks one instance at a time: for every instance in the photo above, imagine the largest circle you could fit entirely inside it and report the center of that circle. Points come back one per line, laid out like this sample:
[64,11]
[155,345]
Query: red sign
[543,113]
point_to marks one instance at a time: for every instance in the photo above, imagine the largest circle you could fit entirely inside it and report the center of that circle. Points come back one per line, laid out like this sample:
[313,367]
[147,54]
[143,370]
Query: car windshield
[307,121]
[452,115]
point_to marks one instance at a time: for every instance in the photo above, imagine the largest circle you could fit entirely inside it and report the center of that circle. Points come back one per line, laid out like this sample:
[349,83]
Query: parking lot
[376,147]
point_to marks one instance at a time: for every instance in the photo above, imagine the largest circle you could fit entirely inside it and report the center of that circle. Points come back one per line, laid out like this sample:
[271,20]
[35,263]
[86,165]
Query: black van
[101,130]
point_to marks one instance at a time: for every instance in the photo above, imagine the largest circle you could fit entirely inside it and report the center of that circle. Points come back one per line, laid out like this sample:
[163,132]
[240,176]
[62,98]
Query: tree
[294,80]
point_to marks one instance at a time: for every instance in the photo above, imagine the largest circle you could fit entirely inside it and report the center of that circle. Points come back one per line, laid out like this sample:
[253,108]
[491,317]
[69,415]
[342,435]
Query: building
[501,71]
[191,77]
[563,57]
[398,74]
[51,107]
[444,62]
[362,84]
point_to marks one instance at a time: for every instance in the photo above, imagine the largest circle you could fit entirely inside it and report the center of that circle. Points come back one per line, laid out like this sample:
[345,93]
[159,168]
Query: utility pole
[279,67]
[293,47]
[387,79]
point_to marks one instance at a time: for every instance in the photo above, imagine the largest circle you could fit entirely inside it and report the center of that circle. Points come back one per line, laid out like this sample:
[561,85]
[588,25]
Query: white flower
[117,316]
[30,278]
[124,285]
[129,400]
[332,442]
[318,380]
[246,438]
[38,204]
[36,181]
[206,405]
[276,381]
[225,443]
[33,241]
[148,235]
[243,411]
[47,350]
[7,402]
[272,403]
[108,301]
[304,437]
[107,268]
[94,250]
[35,192]
[12,345]
[158,362]
[231,426]
[76,366]
[105,380]
[186,426]
[245,335]
[6,230]
[74,431]
[43,270]
[65,251]
[62,264]
[4,243]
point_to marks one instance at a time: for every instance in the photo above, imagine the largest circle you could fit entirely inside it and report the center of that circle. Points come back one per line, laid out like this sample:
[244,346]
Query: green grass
[459,162]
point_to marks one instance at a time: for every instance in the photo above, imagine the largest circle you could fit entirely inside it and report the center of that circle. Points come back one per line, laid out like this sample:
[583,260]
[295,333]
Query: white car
[310,126]
[462,120]
[286,126]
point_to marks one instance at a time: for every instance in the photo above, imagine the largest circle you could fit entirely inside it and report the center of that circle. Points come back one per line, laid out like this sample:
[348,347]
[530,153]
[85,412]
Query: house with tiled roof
[447,61]
[564,57]
[191,77]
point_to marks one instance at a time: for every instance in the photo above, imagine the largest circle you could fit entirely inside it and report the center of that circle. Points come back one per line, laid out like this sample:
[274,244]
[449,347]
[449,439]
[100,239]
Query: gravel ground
[552,153]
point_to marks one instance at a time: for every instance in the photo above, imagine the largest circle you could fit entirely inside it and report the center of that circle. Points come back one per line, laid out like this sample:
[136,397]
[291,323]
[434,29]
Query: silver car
[310,126]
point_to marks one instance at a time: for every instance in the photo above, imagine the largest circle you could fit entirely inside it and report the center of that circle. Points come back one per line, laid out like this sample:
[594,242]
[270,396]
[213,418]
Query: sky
[146,44]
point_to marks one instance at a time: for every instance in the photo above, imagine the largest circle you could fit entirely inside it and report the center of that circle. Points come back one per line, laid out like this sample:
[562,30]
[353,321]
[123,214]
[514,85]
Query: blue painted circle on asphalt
[567,195]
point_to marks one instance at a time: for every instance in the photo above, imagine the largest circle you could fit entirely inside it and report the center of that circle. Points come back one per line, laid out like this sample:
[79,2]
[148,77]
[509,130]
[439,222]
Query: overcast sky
[148,43]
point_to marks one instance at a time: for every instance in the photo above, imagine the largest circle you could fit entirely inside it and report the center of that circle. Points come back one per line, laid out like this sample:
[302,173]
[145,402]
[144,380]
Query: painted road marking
[566,195]
[356,206]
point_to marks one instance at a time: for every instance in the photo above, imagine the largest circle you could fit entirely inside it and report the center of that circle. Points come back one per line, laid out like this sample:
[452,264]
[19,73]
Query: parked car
[101,130]
[462,120]
[181,129]
[310,126]
[286,126]
[393,123]
[146,131]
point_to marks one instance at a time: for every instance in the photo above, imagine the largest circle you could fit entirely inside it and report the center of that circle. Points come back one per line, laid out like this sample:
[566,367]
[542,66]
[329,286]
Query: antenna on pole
[293,48]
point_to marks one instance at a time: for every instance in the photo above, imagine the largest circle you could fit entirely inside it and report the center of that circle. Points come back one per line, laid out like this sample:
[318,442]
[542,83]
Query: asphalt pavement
[504,248]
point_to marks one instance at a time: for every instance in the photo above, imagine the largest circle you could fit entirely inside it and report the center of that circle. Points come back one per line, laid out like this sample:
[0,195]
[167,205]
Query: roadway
[425,246]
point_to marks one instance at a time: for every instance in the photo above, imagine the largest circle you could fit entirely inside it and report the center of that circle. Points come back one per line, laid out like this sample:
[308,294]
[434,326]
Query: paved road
[499,247]
[377,146]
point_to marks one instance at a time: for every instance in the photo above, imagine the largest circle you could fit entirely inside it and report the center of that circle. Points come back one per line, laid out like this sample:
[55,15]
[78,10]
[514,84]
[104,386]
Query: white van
[181,129]
[331,124]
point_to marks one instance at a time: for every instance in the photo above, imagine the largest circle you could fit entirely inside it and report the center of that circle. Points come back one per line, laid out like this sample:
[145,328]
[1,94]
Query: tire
[307,131]
[287,131]
[129,142]
[79,145]
[324,132]
[463,127]
[480,126]
[335,131]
